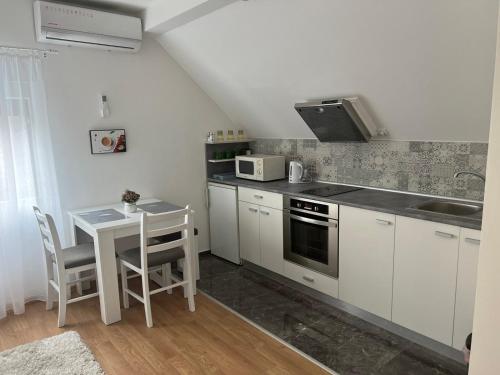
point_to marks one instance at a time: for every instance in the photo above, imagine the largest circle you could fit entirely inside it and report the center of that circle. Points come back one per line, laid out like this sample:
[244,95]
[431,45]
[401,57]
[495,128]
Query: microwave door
[246,167]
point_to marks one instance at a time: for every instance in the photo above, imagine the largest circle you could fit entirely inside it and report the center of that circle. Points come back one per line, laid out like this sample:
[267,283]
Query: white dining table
[105,224]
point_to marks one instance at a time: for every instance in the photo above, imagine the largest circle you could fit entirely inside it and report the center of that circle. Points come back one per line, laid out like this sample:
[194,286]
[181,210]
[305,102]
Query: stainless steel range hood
[337,120]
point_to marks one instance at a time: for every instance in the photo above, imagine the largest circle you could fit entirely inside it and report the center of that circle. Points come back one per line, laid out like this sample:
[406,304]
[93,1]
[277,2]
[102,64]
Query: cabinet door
[366,245]
[466,285]
[249,232]
[425,274]
[223,222]
[271,239]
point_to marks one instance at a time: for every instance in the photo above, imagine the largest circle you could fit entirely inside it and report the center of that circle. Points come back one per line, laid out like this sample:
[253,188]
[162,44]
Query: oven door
[311,241]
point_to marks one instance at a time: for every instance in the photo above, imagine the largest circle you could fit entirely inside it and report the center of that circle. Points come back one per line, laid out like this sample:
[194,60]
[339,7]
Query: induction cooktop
[328,191]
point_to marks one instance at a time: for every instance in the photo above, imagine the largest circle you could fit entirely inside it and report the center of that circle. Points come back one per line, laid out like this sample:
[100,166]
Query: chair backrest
[50,240]
[162,225]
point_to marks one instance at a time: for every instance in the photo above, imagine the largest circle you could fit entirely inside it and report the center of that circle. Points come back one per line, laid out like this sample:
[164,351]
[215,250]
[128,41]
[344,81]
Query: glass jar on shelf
[241,135]
[220,136]
[230,135]
[211,137]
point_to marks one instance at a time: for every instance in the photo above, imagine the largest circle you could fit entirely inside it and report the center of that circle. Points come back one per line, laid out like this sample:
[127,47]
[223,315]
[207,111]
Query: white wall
[486,330]
[165,114]
[424,67]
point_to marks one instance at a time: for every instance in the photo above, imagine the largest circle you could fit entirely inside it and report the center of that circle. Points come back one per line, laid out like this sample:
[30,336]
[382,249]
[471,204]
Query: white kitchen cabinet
[466,285]
[261,228]
[262,198]
[249,232]
[312,279]
[223,214]
[366,253]
[425,272]
[271,239]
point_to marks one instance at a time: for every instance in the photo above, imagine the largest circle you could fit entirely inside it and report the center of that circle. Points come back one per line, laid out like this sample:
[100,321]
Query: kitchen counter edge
[370,199]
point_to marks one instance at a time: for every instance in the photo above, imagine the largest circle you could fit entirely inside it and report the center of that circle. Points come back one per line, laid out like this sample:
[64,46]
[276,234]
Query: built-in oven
[310,234]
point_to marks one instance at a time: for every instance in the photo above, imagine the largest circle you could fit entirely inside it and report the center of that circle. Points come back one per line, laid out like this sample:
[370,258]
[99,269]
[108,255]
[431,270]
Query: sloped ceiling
[423,67]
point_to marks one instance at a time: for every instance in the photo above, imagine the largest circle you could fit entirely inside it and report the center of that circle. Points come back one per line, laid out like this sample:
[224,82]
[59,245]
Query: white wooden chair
[153,255]
[67,261]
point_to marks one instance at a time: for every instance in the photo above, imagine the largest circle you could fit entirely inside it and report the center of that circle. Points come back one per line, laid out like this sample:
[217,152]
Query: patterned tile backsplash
[421,167]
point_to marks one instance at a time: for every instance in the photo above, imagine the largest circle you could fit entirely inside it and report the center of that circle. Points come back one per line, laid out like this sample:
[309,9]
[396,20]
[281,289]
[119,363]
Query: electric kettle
[295,172]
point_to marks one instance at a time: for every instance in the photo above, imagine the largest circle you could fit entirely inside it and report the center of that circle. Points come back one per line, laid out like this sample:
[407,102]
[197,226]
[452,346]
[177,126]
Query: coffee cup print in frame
[108,141]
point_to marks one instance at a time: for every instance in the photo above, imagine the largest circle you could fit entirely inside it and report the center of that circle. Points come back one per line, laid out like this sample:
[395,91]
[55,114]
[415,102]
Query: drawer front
[262,198]
[312,279]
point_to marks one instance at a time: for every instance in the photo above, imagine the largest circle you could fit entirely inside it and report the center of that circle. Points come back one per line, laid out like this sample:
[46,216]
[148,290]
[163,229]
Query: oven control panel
[329,210]
[309,206]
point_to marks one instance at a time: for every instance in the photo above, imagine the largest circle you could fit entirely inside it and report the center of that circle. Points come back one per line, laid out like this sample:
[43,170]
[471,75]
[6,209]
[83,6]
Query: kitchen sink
[450,208]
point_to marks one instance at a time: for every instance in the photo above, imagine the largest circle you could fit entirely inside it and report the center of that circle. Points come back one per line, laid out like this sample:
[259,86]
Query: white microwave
[260,167]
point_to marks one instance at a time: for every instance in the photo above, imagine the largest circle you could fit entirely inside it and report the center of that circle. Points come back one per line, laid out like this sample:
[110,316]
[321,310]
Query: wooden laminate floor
[211,340]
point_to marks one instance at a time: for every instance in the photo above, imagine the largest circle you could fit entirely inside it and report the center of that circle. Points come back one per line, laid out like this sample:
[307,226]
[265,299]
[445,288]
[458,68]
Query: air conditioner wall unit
[75,26]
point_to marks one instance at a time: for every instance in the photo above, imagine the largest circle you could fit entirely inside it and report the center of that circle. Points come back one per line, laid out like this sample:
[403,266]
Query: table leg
[109,296]
[72,231]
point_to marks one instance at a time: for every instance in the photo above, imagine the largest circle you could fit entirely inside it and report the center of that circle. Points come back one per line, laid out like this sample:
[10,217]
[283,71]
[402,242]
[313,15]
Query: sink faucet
[478,175]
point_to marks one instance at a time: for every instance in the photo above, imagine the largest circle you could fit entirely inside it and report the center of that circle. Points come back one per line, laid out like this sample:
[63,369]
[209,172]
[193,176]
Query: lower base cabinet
[312,279]
[466,285]
[249,232]
[425,276]
[366,243]
[271,239]
[261,233]
[419,274]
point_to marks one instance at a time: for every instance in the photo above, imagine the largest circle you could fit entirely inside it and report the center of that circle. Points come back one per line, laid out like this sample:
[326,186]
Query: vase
[130,207]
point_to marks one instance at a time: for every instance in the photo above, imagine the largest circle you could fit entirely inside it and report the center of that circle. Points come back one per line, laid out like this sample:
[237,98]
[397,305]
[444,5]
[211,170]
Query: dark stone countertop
[370,199]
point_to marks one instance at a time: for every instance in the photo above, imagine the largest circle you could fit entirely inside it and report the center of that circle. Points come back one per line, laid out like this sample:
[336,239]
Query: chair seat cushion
[79,255]
[133,256]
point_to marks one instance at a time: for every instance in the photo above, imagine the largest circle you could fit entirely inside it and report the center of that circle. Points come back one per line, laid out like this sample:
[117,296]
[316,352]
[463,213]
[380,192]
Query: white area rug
[61,354]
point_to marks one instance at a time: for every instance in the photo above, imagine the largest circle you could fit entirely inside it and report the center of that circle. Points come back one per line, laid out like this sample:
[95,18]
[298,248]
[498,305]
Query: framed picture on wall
[107,141]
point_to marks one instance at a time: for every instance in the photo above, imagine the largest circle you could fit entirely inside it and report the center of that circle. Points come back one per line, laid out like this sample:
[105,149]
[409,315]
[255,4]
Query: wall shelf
[220,160]
[226,142]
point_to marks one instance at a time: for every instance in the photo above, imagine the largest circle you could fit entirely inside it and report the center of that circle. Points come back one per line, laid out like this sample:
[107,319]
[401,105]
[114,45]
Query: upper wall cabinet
[425,272]
[366,243]
[466,285]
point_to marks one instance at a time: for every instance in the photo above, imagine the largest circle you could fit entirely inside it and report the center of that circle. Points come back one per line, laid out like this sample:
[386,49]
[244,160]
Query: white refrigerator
[223,213]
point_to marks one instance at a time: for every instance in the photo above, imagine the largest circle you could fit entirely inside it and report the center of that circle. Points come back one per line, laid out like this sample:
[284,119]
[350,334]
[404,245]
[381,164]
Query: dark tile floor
[341,341]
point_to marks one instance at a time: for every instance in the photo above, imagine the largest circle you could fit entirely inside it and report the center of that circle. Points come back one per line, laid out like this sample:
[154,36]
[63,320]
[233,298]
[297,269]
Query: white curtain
[27,178]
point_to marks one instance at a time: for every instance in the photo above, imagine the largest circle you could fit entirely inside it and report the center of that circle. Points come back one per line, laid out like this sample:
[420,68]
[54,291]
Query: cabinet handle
[473,240]
[444,234]
[258,196]
[264,212]
[308,278]
[384,222]
[252,209]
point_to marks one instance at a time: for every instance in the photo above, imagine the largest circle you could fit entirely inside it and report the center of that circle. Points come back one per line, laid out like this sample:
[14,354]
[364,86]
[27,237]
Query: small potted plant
[129,199]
